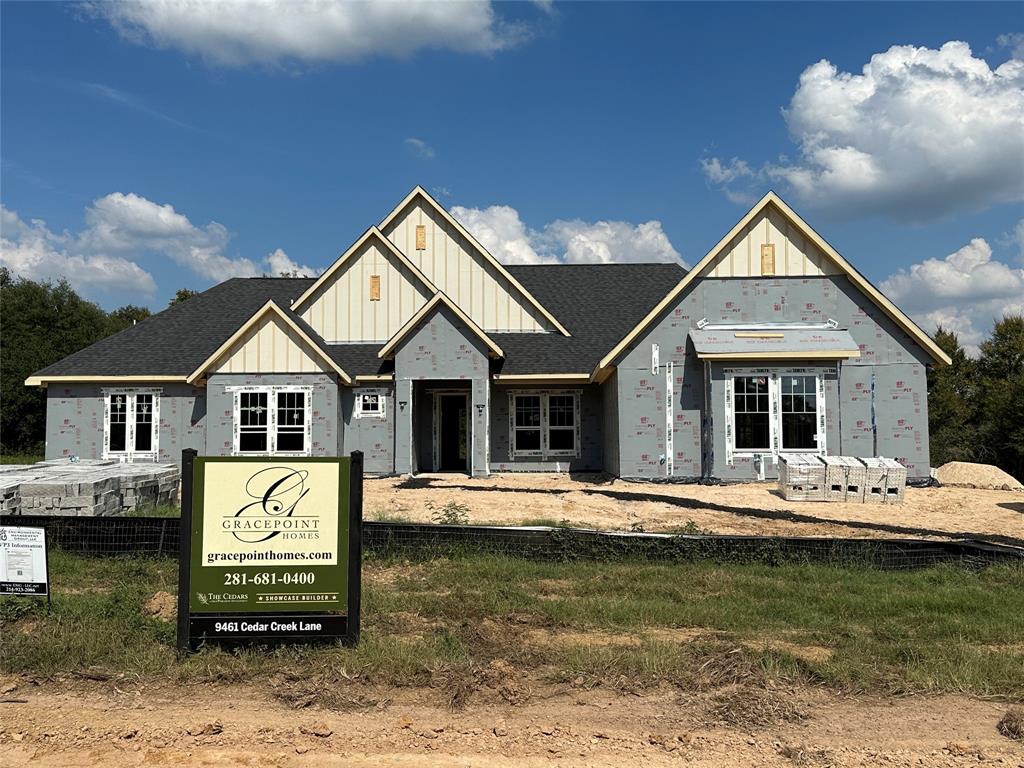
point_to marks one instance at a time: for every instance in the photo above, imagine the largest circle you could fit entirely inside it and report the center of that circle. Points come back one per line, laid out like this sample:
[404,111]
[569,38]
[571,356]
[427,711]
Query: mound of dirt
[963,474]
[163,606]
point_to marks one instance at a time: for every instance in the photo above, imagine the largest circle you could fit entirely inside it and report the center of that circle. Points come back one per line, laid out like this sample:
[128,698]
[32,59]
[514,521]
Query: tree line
[975,405]
[41,323]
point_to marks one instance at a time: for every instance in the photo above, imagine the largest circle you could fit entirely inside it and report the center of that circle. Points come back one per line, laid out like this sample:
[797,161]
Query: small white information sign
[23,561]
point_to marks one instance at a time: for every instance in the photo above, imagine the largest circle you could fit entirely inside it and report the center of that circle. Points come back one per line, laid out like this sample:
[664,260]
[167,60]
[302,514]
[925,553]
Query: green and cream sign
[269,535]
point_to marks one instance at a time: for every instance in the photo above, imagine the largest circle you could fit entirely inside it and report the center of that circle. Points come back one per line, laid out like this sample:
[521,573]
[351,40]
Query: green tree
[952,391]
[182,294]
[40,323]
[1001,400]
[127,316]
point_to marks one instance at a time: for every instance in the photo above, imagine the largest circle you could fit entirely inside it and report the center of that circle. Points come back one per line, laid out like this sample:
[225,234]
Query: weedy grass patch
[627,625]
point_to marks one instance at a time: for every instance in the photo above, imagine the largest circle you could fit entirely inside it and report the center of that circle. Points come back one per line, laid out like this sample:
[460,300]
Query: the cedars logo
[3,535]
[277,492]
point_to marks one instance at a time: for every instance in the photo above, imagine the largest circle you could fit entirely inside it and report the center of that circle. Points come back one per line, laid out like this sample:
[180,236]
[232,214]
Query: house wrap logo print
[275,512]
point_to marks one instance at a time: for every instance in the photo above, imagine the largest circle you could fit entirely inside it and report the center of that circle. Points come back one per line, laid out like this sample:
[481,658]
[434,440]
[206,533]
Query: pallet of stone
[885,481]
[844,478]
[801,477]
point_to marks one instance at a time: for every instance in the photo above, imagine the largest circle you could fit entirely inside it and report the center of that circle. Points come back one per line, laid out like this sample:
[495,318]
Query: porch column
[405,463]
[480,406]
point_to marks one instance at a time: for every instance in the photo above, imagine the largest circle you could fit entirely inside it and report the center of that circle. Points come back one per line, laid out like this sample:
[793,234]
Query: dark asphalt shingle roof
[597,303]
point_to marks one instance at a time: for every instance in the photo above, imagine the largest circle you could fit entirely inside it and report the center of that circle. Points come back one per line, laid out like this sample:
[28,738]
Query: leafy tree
[126,317]
[951,404]
[1001,400]
[183,294]
[41,324]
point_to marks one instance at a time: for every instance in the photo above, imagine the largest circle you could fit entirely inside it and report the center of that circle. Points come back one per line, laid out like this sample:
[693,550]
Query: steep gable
[366,295]
[728,254]
[457,264]
[269,342]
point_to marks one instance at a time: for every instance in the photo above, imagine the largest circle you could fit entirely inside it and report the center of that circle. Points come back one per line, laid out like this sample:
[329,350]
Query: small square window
[370,404]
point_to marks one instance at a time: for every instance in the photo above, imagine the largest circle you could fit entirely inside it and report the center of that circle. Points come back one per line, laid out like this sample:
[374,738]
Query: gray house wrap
[441,349]
[648,353]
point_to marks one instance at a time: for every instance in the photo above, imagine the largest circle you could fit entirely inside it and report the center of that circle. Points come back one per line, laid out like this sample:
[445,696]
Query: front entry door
[453,433]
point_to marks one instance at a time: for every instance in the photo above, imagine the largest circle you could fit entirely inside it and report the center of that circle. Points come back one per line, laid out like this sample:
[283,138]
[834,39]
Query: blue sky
[157,148]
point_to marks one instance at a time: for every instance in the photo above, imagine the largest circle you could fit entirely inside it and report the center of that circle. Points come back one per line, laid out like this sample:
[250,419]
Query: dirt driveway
[755,508]
[234,726]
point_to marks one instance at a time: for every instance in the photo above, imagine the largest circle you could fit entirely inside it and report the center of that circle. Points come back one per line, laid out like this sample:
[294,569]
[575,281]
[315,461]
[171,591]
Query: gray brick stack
[86,488]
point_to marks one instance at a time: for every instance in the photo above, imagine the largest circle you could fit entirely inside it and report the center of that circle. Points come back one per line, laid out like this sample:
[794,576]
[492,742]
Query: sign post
[271,550]
[24,566]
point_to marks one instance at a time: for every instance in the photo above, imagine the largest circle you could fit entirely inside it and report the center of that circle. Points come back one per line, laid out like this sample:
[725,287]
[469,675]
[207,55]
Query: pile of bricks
[86,488]
[809,477]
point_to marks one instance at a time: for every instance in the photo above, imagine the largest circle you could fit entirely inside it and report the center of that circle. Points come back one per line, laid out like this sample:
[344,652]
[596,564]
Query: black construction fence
[159,537]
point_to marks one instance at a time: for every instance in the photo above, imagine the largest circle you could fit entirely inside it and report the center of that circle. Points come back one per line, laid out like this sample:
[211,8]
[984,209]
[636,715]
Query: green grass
[158,510]
[699,626]
[20,458]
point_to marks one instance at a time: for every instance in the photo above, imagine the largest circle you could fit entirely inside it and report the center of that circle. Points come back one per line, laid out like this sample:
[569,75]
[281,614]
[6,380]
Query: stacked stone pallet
[87,488]
[809,477]
[802,477]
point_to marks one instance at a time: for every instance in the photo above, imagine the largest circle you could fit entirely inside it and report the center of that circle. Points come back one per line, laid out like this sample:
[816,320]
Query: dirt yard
[234,726]
[755,508]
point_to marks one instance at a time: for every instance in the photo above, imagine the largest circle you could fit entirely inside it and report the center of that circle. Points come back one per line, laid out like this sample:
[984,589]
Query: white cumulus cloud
[32,251]
[236,33]
[501,231]
[963,292]
[119,230]
[918,133]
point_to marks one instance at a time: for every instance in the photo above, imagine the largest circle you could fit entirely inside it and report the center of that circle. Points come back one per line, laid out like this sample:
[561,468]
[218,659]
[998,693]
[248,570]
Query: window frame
[545,451]
[358,409]
[130,454]
[272,392]
[775,414]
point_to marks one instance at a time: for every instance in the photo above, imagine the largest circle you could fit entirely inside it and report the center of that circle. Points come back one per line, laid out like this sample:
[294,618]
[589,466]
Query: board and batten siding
[342,310]
[795,255]
[270,347]
[466,277]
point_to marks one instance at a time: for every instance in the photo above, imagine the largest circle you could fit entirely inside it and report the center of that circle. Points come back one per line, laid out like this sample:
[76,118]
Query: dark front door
[453,433]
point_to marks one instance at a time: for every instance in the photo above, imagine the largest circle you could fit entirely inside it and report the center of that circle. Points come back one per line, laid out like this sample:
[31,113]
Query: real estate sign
[271,549]
[23,566]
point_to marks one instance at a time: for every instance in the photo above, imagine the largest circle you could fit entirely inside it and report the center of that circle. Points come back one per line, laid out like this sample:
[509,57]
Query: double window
[545,424]
[371,403]
[772,411]
[272,421]
[131,424]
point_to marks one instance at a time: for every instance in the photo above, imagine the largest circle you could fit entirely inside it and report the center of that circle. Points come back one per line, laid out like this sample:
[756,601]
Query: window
[527,424]
[545,424]
[131,424]
[750,406]
[799,412]
[272,420]
[371,403]
[773,411]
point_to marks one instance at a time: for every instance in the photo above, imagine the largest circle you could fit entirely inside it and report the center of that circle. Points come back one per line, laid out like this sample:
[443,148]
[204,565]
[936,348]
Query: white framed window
[544,424]
[272,421]
[131,424]
[371,403]
[772,411]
